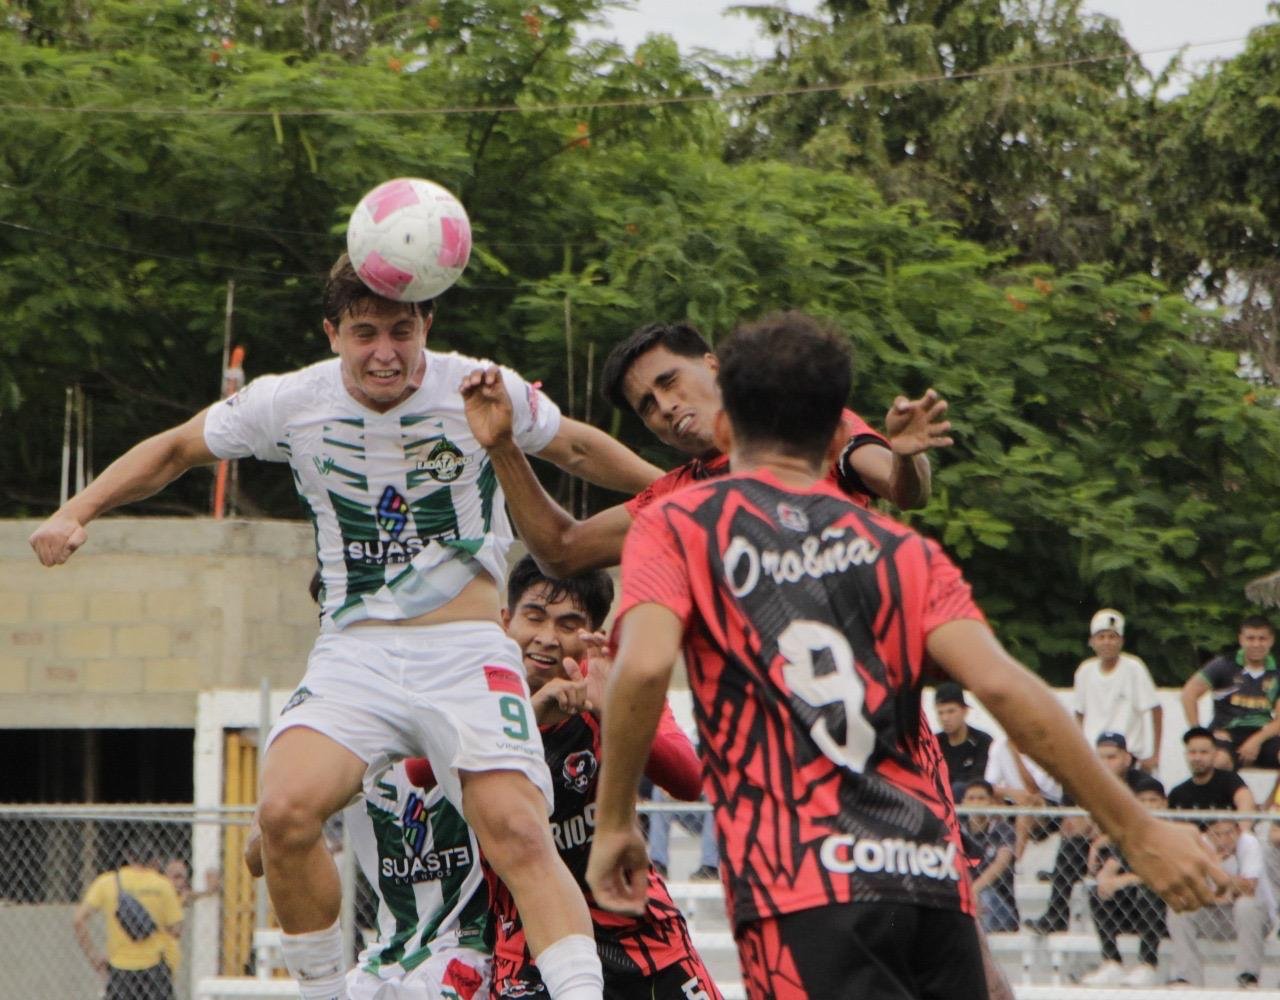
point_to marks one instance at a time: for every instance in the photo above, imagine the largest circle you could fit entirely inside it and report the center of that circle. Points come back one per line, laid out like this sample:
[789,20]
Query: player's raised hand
[56,539]
[916,425]
[561,697]
[488,406]
[599,665]
[1175,862]
[618,870]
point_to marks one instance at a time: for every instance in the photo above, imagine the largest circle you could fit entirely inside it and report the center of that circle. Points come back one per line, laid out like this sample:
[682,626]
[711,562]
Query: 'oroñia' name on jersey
[806,618]
[416,849]
[406,506]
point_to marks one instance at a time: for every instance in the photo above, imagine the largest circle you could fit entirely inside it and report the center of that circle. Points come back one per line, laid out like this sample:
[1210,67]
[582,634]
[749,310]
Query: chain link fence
[1058,903]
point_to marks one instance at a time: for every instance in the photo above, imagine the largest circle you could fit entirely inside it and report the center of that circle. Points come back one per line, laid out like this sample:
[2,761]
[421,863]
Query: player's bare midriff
[477,601]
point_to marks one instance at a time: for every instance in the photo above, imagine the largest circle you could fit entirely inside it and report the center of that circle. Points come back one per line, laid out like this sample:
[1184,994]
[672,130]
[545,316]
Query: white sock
[571,970]
[314,959]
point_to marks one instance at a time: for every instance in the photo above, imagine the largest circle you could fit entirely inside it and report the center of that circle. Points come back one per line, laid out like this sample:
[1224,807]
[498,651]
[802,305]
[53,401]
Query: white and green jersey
[422,859]
[406,507]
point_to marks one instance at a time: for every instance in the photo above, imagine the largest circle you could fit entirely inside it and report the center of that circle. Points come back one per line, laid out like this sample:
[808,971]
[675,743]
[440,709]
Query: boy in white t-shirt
[1113,692]
[1244,910]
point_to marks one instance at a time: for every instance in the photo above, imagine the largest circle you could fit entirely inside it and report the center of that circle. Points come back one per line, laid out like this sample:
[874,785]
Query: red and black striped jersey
[854,428]
[805,624]
[627,945]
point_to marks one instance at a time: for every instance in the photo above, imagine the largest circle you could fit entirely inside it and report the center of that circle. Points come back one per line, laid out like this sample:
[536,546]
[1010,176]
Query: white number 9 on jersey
[797,644]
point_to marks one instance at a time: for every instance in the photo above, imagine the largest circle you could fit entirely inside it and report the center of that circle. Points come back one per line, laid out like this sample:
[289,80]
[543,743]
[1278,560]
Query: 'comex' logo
[393,512]
[845,854]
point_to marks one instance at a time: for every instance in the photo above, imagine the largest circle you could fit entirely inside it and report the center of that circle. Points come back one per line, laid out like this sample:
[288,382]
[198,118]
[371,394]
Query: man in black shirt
[963,747]
[1209,787]
[1072,859]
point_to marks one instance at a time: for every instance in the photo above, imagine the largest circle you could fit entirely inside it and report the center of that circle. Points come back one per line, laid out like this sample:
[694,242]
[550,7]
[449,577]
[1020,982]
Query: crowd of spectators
[1117,705]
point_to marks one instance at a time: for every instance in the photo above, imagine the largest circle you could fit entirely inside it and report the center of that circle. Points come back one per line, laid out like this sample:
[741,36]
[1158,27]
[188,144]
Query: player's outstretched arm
[589,453]
[901,472]
[143,470]
[562,545]
[1171,858]
[618,868]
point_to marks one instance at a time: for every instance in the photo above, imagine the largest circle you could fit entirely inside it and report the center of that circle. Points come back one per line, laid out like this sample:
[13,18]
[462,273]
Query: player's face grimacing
[546,632]
[380,347]
[676,397]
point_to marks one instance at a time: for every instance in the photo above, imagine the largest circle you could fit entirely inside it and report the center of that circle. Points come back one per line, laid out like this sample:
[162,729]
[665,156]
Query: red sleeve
[654,570]
[673,765]
[856,432]
[418,771]
[668,482]
[949,597]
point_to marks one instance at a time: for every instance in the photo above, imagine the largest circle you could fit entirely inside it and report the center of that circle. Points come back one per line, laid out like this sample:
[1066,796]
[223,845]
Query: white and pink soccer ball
[409,239]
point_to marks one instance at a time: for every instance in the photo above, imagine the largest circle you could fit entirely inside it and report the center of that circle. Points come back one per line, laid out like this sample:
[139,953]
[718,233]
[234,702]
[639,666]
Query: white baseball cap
[1108,619]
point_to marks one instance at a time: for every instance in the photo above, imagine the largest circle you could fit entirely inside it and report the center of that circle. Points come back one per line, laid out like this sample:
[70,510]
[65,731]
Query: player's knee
[289,823]
[515,841]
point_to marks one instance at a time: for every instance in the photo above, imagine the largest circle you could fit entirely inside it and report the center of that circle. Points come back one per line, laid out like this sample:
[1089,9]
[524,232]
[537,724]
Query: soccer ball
[409,239]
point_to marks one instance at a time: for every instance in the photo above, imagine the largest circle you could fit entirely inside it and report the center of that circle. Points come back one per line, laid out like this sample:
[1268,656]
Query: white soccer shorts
[454,693]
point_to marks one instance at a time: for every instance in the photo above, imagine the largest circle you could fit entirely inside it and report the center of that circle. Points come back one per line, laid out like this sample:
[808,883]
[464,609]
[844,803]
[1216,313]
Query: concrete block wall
[148,613]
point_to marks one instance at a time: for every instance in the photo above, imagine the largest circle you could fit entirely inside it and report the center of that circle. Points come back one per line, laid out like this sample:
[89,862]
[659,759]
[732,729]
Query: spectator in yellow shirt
[134,967]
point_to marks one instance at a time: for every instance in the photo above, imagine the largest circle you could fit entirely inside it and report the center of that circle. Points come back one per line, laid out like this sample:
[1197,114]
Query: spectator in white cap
[1114,692]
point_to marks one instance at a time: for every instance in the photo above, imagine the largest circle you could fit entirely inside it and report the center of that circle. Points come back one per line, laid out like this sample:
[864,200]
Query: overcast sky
[1149,25]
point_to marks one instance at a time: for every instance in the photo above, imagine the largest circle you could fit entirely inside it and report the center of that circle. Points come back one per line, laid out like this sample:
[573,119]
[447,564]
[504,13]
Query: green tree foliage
[1107,452]
[1022,121]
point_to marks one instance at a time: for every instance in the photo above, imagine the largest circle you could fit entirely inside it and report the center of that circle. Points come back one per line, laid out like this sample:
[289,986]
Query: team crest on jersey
[510,989]
[579,768]
[393,512]
[444,462]
[297,698]
[792,517]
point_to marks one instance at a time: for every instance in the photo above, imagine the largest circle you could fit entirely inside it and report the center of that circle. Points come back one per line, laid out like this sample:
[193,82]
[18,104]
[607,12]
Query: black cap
[1112,739]
[949,692]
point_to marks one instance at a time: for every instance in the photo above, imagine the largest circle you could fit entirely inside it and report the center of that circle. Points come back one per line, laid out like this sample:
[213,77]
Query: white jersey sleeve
[246,424]
[535,419]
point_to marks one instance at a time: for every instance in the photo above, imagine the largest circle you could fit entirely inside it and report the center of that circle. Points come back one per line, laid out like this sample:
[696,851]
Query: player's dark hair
[1148,783]
[980,783]
[678,338]
[1257,621]
[784,381]
[1199,732]
[345,294]
[592,592]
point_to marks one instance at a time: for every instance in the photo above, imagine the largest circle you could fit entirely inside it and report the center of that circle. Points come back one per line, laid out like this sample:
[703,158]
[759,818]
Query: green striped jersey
[406,507]
[422,860]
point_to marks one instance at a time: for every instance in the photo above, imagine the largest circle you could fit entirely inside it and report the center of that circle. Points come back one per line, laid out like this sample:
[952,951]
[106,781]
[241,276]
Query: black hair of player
[1197,733]
[1257,621]
[678,338]
[346,295]
[784,381]
[983,784]
[1148,783]
[591,592]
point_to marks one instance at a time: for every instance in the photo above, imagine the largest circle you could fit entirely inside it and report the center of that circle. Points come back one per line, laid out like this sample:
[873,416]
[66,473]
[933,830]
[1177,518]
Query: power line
[621,102]
[145,213]
[197,262]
